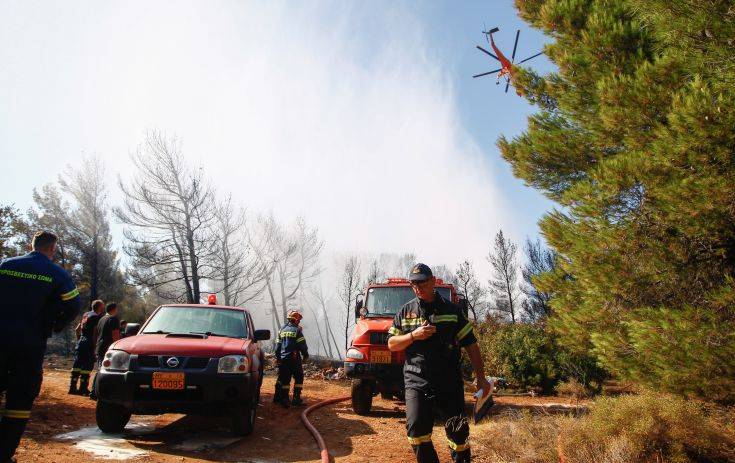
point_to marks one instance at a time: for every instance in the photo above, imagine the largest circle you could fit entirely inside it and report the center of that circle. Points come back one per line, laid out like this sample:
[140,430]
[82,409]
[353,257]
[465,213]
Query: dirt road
[62,429]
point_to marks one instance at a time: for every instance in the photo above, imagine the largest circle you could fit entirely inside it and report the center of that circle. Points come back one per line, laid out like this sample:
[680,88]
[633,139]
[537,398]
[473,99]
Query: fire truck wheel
[362,396]
[243,418]
[111,418]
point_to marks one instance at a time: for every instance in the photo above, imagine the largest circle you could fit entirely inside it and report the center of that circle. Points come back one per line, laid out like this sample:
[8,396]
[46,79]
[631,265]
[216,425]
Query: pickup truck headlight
[233,364]
[116,360]
[353,353]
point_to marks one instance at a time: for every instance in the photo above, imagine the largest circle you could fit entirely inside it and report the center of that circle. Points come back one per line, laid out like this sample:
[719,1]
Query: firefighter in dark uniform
[84,350]
[38,297]
[290,349]
[432,330]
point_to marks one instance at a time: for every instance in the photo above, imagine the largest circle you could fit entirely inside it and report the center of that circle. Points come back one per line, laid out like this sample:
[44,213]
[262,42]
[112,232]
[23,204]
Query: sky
[361,117]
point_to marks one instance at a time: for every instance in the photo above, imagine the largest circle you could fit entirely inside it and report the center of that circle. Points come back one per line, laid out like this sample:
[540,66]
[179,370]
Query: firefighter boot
[297,397]
[458,433]
[73,383]
[84,385]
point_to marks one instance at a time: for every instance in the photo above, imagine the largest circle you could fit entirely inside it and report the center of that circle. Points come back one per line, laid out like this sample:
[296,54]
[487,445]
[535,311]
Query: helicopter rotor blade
[515,45]
[531,57]
[507,84]
[487,52]
[487,73]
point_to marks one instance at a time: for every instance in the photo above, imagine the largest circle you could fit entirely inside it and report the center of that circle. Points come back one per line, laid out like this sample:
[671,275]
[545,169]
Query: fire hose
[318,437]
[323,446]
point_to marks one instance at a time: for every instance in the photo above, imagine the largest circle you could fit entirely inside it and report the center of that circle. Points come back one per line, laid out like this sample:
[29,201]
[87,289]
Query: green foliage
[635,140]
[13,232]
[529,357]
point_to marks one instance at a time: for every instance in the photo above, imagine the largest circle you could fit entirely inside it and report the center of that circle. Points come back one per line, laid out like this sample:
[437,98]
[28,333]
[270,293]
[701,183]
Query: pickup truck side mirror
[262,335]
[131,329]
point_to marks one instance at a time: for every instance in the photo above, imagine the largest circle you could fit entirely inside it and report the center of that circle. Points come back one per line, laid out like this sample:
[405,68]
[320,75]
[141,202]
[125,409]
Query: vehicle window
[186,320]
[389,300]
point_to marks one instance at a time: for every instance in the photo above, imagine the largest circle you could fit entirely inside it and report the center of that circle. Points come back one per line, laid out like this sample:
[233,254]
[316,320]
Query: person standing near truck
[432,330]
[38,297]
[84,350]
[290,348]
[108,331]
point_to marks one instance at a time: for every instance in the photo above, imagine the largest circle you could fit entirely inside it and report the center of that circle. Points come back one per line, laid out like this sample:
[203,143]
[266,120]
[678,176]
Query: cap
[420,272]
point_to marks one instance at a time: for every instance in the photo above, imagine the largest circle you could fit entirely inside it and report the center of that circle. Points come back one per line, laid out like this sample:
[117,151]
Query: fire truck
[372,367]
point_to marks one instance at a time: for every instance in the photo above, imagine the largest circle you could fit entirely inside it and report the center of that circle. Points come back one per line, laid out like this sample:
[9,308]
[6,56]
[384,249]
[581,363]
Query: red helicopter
[506,69]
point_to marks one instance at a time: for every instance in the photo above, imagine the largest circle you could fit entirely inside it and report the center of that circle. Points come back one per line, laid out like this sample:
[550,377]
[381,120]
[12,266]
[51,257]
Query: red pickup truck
[186,358]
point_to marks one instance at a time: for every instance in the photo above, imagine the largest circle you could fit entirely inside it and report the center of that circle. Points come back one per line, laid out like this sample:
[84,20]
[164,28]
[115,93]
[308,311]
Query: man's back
[36,293]
[105,334]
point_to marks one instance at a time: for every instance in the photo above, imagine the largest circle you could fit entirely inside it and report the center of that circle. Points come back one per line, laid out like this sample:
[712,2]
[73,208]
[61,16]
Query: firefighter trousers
[83,362]
[21,373]
[420,416]
[290,367]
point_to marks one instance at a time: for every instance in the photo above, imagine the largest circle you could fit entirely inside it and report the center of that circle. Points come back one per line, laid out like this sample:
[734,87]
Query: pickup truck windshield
[198,320]
[388,300]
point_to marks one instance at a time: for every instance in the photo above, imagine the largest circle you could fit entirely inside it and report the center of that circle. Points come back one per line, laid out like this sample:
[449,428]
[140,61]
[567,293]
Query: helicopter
[506,69]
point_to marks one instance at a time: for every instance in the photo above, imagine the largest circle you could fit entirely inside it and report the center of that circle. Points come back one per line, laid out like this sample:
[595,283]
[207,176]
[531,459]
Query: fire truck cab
[372,367]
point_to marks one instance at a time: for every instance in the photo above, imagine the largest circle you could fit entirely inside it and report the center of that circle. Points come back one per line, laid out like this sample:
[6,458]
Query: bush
[529,357]
[650,427]
[646,428]
[573,388]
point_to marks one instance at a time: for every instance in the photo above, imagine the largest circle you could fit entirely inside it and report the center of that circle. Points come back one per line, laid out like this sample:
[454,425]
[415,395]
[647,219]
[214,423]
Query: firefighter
[432,330]
[84,350]
[290,349]
[38,297]
[106,333]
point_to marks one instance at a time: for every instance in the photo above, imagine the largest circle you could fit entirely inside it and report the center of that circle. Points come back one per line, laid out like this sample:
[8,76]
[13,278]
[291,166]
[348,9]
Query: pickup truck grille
[378,338]
[159,361]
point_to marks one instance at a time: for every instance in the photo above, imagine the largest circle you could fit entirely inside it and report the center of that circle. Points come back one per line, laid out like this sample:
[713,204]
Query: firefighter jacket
[433,365]
[291,342]
[38,297]
[89,323]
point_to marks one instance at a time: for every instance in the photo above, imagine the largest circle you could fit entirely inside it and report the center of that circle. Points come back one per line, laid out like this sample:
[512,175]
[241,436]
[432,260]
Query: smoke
[336,112]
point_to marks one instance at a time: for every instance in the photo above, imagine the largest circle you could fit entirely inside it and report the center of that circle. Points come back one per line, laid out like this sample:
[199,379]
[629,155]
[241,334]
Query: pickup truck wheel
[111,418]
[243,418]
[362,396]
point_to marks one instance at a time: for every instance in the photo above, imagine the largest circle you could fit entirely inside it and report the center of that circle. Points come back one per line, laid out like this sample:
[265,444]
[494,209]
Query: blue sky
[337,111]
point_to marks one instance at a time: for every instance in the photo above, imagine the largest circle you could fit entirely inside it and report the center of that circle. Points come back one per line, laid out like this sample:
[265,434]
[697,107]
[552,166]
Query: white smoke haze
[332,111]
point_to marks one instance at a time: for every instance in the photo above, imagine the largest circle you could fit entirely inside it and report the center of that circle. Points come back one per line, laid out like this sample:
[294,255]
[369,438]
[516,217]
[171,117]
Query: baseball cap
[420,272]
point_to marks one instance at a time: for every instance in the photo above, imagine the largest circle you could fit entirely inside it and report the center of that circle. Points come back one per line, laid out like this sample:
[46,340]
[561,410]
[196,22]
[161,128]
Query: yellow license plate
[168,380]
[380,356]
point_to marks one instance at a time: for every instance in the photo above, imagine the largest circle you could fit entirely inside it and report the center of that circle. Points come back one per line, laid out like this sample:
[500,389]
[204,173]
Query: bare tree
[539,260]
[504,282]
[323,302]
[349,286]
[470,287]
[237,271]
[287,260]
[374,274]
[324,341]
[168,213]
[443,273]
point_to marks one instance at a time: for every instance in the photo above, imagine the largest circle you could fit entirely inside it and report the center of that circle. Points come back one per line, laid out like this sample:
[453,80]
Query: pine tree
[14,232]
[635,140]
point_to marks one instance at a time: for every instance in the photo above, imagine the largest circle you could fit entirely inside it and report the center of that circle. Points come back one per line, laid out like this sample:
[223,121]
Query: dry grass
[518,437]
[650,427]
[645,428]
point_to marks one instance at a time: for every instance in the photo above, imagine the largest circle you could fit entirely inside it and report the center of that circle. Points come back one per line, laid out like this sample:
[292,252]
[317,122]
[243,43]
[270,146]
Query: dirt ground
[279,435]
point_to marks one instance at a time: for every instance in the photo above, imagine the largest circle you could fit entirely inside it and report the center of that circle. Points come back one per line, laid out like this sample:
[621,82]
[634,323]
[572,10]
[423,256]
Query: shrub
[528,356]
[650,427]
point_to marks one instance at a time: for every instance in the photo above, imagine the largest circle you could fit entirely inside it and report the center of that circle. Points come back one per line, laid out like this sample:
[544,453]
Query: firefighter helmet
[294,315]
